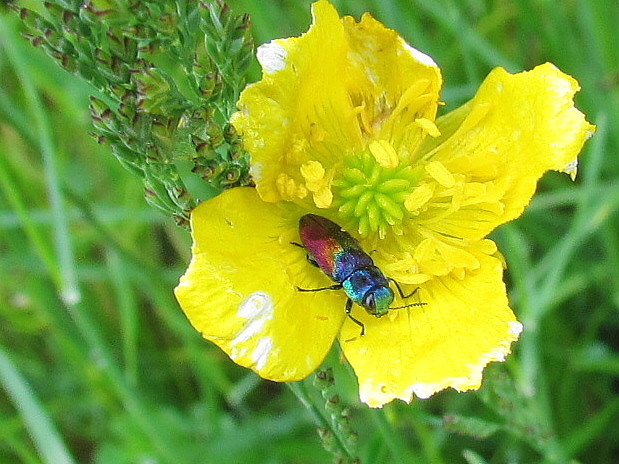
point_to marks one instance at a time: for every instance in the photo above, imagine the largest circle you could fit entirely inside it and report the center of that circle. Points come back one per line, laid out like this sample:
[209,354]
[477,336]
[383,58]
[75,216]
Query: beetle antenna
[410,305]
[403,296]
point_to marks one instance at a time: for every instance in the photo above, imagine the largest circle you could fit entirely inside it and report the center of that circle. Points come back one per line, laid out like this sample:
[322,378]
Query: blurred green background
[99,365]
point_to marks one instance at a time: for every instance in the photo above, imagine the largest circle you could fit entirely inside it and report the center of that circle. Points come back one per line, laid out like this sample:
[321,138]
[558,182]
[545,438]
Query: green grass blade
[46,437]
[68,286]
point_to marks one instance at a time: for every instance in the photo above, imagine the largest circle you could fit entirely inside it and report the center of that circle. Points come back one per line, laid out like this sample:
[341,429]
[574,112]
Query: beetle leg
[356,321]
[402,295]
[309,258]
[332,287]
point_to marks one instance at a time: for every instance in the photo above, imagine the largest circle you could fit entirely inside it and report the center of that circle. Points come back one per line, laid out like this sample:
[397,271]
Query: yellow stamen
[384,153]
[440,173]
[411,94]
[419,197]
[318,183]
[288,188]
[323,198]
[428,126]
[313,172]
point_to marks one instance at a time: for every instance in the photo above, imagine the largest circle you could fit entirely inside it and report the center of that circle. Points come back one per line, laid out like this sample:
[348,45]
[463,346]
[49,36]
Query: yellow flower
[343,124]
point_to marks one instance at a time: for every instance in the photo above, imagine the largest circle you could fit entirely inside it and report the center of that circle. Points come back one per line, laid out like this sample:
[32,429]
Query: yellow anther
[313,172]
[323,197]
[288,188]
[419,197]
[384,153]
[440,173]
[428,126]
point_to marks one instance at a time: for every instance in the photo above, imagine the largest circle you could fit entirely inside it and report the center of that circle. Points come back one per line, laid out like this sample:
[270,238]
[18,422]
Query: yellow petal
[327,94]
[286,110]
[516,128]
[397,84]
[240,288]
[464,325]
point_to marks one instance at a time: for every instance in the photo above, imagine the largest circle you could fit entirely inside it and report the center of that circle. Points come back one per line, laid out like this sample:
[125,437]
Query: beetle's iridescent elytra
[340,256]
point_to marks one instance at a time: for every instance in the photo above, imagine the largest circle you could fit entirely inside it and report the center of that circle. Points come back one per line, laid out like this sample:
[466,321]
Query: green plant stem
[423,431]
[128,396]
[67,284]
[391,437]
[128,311]
[45,435]
[300,391]
[545,283]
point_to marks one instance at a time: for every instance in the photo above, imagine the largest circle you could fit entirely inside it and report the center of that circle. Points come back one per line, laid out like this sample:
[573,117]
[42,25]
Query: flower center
[373,194]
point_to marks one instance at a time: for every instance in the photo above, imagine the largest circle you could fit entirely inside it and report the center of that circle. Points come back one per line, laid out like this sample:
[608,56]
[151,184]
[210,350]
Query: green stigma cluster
[373,196]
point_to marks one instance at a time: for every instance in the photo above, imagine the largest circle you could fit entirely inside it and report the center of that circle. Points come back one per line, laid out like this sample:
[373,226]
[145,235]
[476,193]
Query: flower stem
[335,437]
[390,436]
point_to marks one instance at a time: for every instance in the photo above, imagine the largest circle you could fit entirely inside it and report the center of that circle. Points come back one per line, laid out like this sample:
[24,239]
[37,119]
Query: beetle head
[378,300]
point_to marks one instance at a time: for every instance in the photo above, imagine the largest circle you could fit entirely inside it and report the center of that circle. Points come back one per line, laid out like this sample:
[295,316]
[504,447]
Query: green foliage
[97,362]
[169,75]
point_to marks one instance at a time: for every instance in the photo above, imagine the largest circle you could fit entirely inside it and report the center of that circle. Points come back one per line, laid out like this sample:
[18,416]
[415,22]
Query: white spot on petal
[426,390]
[419,56]
[258,305]
[515,328]
[258,310]
[235,353]
[256,171]
[272,57]
[260,355]
[571,169]
[254,327]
